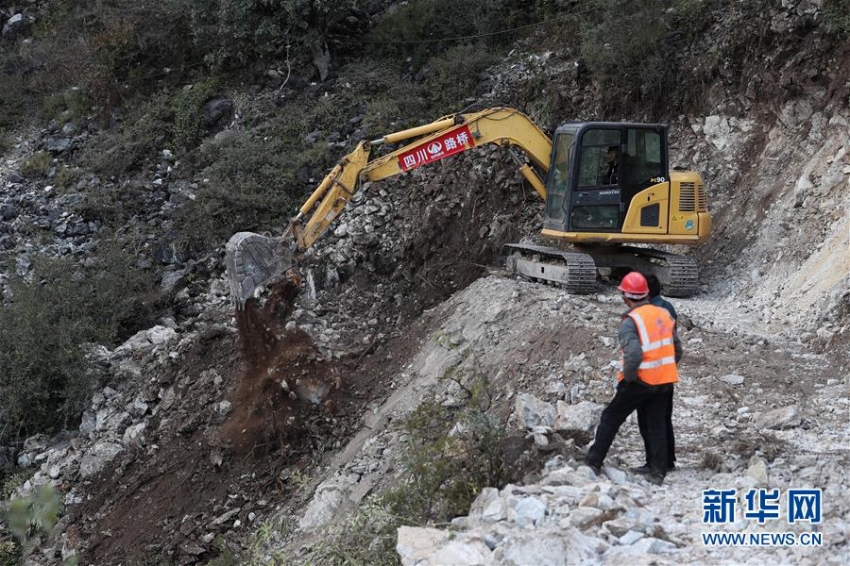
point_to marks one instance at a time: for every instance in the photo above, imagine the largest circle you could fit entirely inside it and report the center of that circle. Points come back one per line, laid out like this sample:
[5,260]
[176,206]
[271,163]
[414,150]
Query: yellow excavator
[607,187]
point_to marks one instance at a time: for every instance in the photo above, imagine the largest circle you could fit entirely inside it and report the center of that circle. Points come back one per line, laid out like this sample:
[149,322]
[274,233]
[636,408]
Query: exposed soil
[200,480]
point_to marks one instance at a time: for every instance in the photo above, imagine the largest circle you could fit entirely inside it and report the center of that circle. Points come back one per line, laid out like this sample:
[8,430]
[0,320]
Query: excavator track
[574,271]
[682,276]
[678,274]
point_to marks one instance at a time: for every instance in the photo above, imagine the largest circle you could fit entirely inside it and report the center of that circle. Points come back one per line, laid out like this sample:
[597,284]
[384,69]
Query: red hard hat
[634,286]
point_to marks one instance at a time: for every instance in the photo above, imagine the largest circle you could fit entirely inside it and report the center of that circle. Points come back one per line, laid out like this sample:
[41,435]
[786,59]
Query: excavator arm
[254,260]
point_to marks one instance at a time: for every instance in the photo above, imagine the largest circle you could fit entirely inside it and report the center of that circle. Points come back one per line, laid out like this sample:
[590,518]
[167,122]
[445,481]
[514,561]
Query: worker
[656,299]
[651,349]
[609,169]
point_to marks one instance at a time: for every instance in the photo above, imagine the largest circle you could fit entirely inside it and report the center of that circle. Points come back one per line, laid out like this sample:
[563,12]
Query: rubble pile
[397,249]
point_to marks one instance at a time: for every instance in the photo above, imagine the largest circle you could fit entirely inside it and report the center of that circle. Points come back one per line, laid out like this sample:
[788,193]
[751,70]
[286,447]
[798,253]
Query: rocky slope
[193,444]
[750,413]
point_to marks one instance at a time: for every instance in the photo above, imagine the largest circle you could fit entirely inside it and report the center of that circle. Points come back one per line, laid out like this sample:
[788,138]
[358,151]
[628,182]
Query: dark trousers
[652,399]
[671,442]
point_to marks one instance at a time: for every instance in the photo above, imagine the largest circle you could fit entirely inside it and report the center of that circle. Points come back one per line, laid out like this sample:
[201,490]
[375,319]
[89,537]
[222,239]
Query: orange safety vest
[655,329]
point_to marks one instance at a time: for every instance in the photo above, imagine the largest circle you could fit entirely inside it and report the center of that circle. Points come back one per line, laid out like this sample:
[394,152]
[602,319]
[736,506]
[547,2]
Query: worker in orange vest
[656,299]
[651,349]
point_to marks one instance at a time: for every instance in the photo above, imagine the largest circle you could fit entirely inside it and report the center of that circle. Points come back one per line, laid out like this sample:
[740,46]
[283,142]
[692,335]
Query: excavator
[608,189]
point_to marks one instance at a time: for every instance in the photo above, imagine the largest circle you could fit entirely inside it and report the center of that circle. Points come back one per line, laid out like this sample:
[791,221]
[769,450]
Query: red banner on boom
[448,144]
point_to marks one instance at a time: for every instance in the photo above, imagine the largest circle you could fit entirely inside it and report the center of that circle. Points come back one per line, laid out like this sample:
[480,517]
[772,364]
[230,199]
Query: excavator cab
[610,188]
[598,170]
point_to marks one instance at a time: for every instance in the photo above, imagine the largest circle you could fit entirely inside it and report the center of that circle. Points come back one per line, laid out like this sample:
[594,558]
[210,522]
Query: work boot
[597,468]
[655,478]
[645,469]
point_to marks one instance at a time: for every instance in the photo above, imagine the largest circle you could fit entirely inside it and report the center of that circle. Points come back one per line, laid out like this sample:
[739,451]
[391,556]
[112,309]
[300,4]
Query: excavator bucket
[254,260]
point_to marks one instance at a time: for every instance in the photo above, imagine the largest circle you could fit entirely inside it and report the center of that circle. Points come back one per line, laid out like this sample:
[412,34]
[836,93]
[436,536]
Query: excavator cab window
[600,157]
[644,162]
[596,205]
[644,156]
[558,181]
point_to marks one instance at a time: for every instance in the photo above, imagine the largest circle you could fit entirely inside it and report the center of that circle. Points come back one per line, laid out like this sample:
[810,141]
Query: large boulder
[579,418]
[781,418]
[98,457]
[422,546]
[531,412]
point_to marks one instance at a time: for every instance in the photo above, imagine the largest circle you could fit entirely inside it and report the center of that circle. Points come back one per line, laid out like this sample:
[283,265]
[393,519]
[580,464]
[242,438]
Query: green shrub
[451,453]
[260,546]
[30,519]
[130,43]
[40,511]
[14,99]
[145,131]
[235,32]
[188,113]
[252,185]
[13,481]
[10,553]
[67,106]
[386,101]
[119,297]
[623,63]
[367,537]
[45,377]
[638,69]
[421,28]
[37,165]
[66,177]
[454,77]
[109,51]
[836,16]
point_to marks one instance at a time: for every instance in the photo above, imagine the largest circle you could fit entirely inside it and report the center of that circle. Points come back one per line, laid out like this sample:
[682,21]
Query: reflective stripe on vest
[655,330]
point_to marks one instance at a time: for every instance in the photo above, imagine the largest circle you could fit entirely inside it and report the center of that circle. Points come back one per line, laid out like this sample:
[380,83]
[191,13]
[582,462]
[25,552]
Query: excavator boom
[443,138]
[254,260]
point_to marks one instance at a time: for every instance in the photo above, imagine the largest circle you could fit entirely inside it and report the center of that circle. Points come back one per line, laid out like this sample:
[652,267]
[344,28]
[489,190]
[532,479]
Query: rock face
[434,547]
[532,412]
[326,500]
[98,457]
[733,379]
[216,110]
